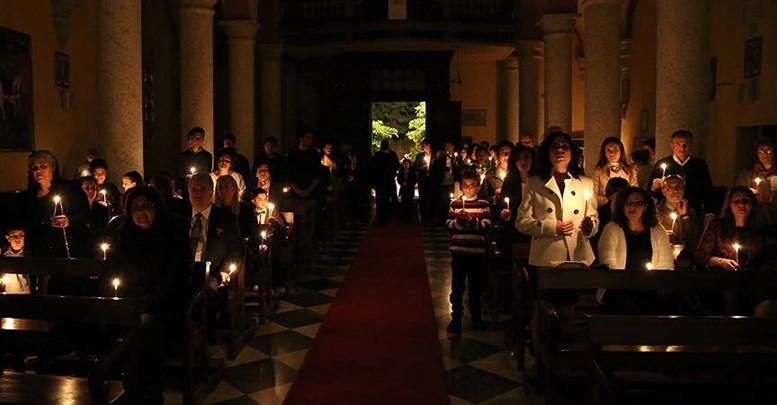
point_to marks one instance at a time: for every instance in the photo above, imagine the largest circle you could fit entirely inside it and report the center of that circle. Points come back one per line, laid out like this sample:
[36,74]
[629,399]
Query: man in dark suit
[213,231]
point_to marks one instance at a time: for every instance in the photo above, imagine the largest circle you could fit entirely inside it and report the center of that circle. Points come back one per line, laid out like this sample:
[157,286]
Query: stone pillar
[557,29]
[530,58]
[271,91]
[242,91]
[119,85]
[508,70]
[196,20]
[602,78]
[682,71]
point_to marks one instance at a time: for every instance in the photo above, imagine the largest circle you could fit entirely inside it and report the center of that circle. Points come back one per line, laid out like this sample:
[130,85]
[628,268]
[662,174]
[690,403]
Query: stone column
[119,85]
[508,70]
[557,29]
[271,91]
[242,91]
[602,78]
[530,58]
[196,19]
[682,71]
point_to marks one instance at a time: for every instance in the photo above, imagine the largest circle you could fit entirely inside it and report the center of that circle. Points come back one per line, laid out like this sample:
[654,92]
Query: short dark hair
[384,144]
[640,156]
[649,217]
[682,133]
[230,137]
[615,185]
[546,166]
[162,184]
[196,130]
[470,175]
[135,177]
[505,144]
[97,163]
[86,179]
[255,192]
[271,139]
[650,143]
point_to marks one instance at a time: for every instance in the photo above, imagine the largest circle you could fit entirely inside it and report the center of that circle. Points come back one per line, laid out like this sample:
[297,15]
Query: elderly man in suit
[213,231]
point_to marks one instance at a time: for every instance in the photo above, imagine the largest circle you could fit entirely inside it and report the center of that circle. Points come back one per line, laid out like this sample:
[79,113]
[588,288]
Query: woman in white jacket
[559,207]
[634,240]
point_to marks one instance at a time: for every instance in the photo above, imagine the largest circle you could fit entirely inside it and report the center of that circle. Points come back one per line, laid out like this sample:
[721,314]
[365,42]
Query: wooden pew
[717,358]
[241,328]
[20,311]
[559,344]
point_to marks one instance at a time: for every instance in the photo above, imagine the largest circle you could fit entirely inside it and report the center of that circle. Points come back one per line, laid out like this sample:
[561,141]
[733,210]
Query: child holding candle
[468,220]
[15,283]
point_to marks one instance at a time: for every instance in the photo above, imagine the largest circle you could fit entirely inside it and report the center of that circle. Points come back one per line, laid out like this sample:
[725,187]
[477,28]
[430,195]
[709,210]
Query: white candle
[57,201]
[104,192]
[104,247]
[482,178]
[116,283]
[663,167]
[737,246]
[507,202]
[586,196]
[462,201]
[270,208]
[674,219]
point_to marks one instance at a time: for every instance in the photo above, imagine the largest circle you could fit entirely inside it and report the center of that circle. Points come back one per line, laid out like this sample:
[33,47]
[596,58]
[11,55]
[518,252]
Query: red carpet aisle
[379,342]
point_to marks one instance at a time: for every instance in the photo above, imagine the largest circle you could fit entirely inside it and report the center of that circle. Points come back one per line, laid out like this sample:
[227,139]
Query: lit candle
[85,173]
[451,195]
[663,167]
[737,246]
[57,201]
[586,196]
[270,208]
[482,178]
[674,219]
[192,170]
[232,269]
[649,266]
[285,189]
[263,234]
[507,202]
[502,175]
[455,154]
[116,283]
[462,202]
[104,193]
[757,182]
[104,247]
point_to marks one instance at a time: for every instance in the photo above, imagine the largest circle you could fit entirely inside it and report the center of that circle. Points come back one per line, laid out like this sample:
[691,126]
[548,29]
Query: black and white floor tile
[479,368]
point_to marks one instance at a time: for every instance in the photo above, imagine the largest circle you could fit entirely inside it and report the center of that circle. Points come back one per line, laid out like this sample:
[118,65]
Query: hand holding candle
[736,247]
[663,172]
[104,247]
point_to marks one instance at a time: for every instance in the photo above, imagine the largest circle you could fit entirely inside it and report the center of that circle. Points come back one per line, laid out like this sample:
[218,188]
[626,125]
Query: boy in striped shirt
[468,220]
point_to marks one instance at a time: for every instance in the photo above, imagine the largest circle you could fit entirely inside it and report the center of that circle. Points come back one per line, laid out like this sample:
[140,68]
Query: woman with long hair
[613,162]
[762,177]
[226,196]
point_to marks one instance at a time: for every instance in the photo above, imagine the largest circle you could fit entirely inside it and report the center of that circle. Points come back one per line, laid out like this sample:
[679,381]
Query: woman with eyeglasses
[762,178]
[634,240]
[613,162]
[559,208]
[151,260]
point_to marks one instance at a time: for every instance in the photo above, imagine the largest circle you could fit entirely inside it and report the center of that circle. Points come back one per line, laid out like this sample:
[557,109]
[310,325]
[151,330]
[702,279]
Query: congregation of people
[633,212]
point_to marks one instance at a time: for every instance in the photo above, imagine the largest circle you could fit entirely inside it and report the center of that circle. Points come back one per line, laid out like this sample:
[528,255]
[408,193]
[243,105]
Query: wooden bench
[559,343]
[240,328]
[57,267]
[43,313]
[673,359]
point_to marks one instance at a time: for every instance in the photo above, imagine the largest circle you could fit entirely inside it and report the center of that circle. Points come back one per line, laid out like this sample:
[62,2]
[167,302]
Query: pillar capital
[197,4]
[529,49]
[511,63]
[558,23]
[240,29]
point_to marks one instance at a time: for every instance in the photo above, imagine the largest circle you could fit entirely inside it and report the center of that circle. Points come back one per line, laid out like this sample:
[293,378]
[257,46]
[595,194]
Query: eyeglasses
[741,201]
[469,185]
[17,236]
[142,207]
[765,150]
[638,203]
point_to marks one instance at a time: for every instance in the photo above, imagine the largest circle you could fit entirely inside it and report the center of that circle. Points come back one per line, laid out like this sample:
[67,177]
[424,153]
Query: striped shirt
[469,237]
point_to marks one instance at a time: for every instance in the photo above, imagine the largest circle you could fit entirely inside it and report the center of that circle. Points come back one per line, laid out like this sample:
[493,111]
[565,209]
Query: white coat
[612,248]
[541,209]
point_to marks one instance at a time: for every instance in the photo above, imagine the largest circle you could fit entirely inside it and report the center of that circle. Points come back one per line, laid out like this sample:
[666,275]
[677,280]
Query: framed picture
[753,57]
[62,69]
[474,118]
[16,108]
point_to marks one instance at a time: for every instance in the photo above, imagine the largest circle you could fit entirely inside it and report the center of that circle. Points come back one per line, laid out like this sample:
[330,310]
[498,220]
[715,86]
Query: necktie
[196,234]
[261,217]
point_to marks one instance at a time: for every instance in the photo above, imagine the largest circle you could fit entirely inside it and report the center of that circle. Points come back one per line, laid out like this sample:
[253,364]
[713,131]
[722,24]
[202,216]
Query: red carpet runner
[378,343]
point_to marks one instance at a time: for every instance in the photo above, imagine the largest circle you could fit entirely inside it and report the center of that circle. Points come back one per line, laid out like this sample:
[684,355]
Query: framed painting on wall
[474,118]
[16,108]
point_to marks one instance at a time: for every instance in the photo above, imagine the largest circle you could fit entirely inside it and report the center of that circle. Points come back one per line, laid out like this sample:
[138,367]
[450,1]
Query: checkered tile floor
[479,369]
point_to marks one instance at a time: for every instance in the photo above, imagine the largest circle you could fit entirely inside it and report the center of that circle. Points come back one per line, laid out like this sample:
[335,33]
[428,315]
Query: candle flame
[456,154]
[104,246]
[116,283]
[737,246]
[451,195]
[285,189]
[103,192]
[757,181]
[673,216]
[57,199]
[649,266]
[587,194]
[663,166]
[507,200]
[271,206]
[264,234]
[192,170]
[232,268]
[85,173]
